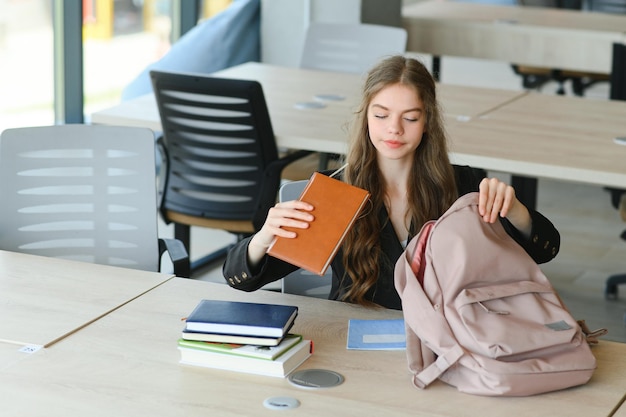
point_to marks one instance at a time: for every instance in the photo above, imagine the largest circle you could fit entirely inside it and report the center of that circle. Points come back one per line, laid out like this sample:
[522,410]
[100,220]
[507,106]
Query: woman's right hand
[295,214]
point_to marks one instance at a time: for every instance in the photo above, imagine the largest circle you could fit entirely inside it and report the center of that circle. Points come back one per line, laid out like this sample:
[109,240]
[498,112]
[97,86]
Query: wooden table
[11,354]
[535,36]
[46,299]
[545,136]
[563,138]
[322,130]
[126,364]
[528,135]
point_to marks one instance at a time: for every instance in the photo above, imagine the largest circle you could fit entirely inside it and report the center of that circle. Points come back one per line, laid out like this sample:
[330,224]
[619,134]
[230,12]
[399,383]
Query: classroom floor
[591,247]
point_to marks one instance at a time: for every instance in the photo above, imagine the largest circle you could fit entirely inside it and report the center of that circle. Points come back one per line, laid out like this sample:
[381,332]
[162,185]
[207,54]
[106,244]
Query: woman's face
[396,122]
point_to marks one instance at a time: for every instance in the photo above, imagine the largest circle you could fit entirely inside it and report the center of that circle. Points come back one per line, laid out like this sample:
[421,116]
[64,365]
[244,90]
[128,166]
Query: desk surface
[11,354]
[323,130]
[545,37]
[46,299]
[529,134]
[126,364]
[564,138]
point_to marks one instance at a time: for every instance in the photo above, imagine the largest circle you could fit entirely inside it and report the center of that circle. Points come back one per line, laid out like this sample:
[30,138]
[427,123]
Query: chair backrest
[219,146]
[350,47]
[291,190]
[302,282]
[80,192]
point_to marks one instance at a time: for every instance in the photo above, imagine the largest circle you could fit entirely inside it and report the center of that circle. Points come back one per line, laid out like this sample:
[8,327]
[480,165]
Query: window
[26,72]
[120,38]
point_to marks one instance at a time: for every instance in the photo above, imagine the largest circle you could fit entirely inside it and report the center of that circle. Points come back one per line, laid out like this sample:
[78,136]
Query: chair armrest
[275,168]
[272,183]
[291,157]
[177,254]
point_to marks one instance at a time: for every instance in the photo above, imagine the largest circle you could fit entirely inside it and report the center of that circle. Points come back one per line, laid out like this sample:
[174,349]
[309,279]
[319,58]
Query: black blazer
[542,246]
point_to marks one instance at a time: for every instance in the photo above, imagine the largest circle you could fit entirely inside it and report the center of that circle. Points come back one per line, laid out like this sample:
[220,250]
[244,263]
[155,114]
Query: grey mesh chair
[350,47]
[303,282]
[347,47]
[86,193]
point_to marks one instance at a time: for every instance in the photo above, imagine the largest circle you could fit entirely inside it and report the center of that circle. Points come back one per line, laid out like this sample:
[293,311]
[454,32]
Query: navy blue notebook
[239,318]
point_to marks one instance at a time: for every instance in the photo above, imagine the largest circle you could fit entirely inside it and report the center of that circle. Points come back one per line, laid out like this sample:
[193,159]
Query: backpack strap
[435,369]
[591,336]
[419,313]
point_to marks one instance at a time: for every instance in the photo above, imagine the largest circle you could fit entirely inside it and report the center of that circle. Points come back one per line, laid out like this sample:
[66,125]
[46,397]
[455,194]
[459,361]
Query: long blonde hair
[432,187]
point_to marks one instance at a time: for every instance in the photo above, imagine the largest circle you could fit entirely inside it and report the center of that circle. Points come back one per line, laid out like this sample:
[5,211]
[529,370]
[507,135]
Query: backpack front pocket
[513,319]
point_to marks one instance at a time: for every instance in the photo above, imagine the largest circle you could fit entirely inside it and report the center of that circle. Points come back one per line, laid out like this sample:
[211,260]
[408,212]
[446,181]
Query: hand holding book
[336,207]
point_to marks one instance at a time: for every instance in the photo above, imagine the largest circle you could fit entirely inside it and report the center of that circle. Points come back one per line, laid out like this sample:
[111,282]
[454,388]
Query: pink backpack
[486,319]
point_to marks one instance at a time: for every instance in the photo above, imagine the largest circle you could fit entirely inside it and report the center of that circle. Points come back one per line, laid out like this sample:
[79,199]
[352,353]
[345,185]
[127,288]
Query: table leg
[436,70]
[618,72]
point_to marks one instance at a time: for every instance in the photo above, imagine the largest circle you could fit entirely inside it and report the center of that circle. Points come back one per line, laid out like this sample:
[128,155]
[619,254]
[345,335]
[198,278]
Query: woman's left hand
[497,198]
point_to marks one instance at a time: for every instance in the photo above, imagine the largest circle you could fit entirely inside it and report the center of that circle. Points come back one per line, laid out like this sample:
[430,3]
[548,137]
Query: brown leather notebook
[336,206]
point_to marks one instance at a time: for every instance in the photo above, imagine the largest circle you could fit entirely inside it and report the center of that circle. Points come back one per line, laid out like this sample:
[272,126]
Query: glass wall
[26,63]
[120,38]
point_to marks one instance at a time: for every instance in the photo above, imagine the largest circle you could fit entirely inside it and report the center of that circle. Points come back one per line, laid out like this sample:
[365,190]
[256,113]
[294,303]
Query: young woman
[398,152]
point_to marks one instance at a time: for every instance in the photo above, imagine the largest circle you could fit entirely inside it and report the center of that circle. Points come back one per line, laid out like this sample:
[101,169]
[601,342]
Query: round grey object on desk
[329,97]
[305,105]
[316,378]
[281,403]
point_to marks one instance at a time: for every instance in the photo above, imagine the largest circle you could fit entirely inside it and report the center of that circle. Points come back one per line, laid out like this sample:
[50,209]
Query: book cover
[230,338]
[279,367]
[376,334]
[336,207]
[241,318]
[254,351]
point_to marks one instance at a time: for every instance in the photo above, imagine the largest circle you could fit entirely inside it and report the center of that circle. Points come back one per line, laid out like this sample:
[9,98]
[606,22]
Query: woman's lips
[393,143]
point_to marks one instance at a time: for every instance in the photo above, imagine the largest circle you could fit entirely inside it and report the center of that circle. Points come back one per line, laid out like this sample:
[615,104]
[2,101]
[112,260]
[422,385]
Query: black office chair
[222,167]
[618,195]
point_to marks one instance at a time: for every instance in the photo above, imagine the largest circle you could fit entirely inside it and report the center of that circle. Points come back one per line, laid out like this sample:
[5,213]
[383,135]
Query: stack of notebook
[243,337]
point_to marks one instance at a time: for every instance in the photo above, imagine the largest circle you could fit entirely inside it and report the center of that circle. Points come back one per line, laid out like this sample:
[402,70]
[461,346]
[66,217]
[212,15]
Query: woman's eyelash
[408,119]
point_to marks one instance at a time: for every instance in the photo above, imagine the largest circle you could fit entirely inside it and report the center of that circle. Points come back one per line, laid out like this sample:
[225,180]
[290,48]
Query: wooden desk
[126,364]
[11,354]
[535,36]
[322,130]
[46,299]
[563,138]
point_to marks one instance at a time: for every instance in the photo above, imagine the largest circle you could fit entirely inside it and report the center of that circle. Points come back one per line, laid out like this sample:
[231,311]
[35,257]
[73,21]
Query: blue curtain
[229,38]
